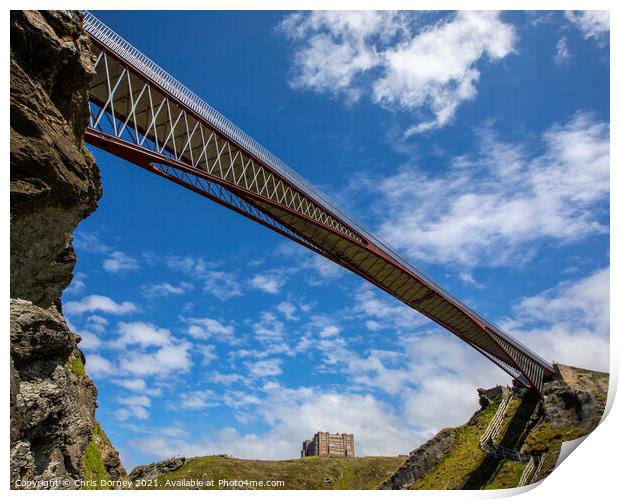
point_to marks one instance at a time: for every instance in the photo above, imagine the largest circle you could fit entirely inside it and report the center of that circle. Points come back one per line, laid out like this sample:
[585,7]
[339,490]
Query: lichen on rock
[54,185]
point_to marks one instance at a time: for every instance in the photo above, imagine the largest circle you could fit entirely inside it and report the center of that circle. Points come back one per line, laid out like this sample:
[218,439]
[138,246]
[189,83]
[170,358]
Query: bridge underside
[141,114]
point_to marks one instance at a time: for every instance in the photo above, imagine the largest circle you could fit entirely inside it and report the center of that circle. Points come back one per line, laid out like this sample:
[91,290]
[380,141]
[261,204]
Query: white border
[589,473]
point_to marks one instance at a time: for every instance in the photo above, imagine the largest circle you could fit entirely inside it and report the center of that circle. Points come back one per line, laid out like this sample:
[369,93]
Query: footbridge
[142,114]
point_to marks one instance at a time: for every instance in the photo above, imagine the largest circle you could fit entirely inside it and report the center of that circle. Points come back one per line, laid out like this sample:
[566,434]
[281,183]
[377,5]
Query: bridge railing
[141,62]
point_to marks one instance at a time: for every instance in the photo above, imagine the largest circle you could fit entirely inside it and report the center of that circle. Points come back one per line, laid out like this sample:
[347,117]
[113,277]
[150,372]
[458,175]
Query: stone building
[324,444]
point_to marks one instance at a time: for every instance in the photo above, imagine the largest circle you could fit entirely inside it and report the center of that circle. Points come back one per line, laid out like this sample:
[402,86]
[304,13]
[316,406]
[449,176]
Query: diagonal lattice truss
[142,114]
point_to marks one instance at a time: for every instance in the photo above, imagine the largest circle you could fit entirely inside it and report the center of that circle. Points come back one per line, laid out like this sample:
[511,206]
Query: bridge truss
[143,115]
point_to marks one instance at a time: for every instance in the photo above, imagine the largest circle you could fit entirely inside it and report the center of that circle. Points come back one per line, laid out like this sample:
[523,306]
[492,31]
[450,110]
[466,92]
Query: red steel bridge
[142,114]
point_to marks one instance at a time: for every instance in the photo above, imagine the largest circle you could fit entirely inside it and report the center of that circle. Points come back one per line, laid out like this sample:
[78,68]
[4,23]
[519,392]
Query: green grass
[93,470]
[465,456]
[77,367]
[305,473]
[549,439]
[506,475]
[466,466]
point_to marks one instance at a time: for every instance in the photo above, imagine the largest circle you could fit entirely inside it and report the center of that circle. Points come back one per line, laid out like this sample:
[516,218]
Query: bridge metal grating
[142,114]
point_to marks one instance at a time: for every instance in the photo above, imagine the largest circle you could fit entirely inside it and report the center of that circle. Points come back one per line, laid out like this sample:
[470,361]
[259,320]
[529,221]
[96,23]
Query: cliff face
[573,406]
[54,185]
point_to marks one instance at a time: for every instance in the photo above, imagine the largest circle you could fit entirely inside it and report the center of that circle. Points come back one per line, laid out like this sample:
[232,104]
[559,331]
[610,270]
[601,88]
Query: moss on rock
[93,468]
[77,367]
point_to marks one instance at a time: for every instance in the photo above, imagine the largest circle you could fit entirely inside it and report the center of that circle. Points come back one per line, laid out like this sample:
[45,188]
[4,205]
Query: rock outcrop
[55,183]
[153,471]
[422,460]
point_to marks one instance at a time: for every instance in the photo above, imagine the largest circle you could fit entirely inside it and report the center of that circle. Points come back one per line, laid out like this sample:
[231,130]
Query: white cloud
[591,23]
[205,328]
[316,269]
[444,369]
[429,73]
[329,331]
[172,358]
[193,266]
[568,323]
[92,303]
[337,47]
[380,369]
[501,204]
[165,289]
[197,400]
[322,270]
[226,378]
[294,415]
[90,341]
[89,242]
[142,334]
[385,312]
[135,401]
[208,354]
[299,413]
[240,399]
[468,278]
[98,366]
[562,54]
[373,325]
[137,385]
[265,367]
[119,261]
[221,285]
[115,261]
[437,69]
[97,323]
[272,334]
[135,406]
[269,282]
[187,264]
[288,310]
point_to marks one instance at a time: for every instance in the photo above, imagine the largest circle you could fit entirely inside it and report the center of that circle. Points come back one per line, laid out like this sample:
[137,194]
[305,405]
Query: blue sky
[477,144]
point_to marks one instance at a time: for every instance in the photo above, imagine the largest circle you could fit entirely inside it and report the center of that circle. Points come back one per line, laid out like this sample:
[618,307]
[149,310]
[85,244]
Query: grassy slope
[468,467]
[306,473]
[464,457]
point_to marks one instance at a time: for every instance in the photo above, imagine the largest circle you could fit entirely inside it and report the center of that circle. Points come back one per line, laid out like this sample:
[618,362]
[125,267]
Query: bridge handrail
[124,49]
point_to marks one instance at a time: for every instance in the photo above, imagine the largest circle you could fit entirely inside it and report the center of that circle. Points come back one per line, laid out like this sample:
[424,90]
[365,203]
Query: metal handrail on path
[532,470]
[525,476]
[488,439]
[538,468]
[488,445]
[496,422]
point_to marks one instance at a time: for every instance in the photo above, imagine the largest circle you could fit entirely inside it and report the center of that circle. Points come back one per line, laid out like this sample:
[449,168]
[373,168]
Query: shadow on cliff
[519,426]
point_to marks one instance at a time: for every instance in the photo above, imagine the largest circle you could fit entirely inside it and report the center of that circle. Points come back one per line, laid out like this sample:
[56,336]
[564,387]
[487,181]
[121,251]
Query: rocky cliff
[574,402]
[55,438]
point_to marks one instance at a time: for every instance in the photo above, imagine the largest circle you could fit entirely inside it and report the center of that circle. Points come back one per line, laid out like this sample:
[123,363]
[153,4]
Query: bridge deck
[142,114]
